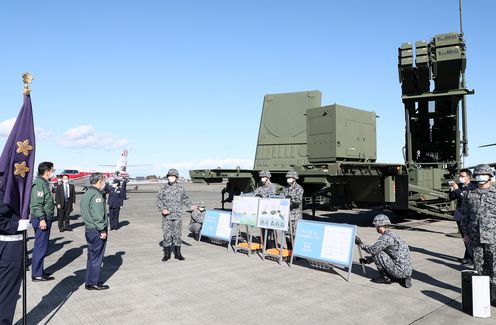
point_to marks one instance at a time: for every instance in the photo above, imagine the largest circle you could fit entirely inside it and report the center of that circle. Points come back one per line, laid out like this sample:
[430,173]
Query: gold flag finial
[27,78]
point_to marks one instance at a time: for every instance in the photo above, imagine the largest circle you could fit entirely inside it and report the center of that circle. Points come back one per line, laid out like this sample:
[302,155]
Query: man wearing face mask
[42,207]
[197,217]
[458,193]
[65,198]
[390,254]
[171,199]
[294,192]
[95,224]
[479,225]
[267,188]
[115,202]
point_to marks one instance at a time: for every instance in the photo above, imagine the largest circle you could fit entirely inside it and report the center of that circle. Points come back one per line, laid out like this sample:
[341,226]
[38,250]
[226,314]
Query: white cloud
[6,126]
[42,134]
[85,136]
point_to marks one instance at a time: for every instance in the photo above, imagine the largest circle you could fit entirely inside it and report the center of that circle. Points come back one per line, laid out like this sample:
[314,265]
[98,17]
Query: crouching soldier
[170,200]
[390,254]
[197,217]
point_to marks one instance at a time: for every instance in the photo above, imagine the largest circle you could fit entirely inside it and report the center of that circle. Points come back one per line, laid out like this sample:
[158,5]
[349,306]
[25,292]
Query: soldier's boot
[406,282]
[197,237]
[167,254]
[177,253]
[383,278]
[366,260]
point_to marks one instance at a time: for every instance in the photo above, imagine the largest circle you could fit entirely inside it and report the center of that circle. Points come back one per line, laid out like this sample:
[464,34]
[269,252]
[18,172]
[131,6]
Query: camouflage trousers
[485,263]
[195,227]
[172,231]
[290,235]
[384,262]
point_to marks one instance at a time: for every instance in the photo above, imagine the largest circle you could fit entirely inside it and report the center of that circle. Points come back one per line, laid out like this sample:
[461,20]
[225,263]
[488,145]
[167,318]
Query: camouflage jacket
[172,197]
[197,216]
[391,244]
[41,202]
[295,194]
[266,190]
[479,215]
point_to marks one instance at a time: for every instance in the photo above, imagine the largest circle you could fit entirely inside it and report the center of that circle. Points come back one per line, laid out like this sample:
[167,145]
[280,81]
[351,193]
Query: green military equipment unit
[334,148]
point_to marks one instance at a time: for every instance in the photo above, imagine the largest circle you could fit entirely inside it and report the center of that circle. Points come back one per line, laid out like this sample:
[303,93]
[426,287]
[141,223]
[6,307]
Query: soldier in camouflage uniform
[479,225]
[294,192]
[197,217]
[170,200]
[267,188]
[390,254]
[264,191]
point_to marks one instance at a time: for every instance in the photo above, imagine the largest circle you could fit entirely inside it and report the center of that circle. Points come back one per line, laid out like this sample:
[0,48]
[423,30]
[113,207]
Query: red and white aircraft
[82,178]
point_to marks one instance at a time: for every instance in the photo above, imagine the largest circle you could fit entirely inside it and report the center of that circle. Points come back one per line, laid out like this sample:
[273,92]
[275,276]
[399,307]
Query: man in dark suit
[65,198]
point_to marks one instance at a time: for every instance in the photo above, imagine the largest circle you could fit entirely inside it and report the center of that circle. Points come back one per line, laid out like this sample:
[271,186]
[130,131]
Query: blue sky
[181,83]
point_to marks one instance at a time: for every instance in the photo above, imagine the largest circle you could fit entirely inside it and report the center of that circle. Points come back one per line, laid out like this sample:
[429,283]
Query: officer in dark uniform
[42,207]
[10,259]
[124,188]
[115,202]
[95,223]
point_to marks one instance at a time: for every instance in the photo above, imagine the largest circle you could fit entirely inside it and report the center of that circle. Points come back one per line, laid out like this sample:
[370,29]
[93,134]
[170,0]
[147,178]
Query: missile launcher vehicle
[334,147]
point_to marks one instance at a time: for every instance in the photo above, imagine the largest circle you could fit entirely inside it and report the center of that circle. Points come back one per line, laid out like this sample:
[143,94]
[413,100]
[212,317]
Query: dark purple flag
[17,162]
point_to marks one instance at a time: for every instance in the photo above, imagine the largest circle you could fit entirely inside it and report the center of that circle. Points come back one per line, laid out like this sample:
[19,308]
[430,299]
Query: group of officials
[42,206]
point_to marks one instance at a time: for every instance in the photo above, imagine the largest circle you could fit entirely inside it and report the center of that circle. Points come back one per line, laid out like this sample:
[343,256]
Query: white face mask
[290,180]
[114,185]
[461,180]
[65,181]
[201,208]
[171,179]
[481,179]
[264,180]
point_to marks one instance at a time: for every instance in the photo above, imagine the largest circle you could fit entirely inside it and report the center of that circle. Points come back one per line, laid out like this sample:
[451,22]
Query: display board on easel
[330,243]
[273,214]
[245,212]
[217,225]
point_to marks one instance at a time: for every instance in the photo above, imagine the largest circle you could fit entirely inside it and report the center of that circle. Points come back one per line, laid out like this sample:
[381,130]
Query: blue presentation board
[327,242]
[217,224]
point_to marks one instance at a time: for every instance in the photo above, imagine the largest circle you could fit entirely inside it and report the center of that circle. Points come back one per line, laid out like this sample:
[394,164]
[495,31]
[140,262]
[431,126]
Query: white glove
[23,225]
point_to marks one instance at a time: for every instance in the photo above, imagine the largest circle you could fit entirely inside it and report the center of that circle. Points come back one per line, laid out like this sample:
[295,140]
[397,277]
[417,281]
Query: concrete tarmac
[216,286]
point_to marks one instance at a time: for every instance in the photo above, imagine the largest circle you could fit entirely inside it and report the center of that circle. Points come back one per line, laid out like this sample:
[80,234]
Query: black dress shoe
[98,286]
[47,274]
[61,230]
[68,229]
[42,278]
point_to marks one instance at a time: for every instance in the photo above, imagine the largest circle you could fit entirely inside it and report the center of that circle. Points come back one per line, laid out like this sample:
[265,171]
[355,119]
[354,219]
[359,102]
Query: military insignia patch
[39,194]
[98,200]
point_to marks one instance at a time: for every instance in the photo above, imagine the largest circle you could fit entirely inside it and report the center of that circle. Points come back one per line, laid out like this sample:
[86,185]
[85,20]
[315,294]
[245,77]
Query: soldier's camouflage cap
[381,220]
[483,169]
[173,172]
[201,204]
[264,173]
[292,174]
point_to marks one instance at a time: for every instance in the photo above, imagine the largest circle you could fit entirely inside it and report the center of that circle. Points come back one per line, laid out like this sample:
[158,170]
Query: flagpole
[24,252]
[27,79]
